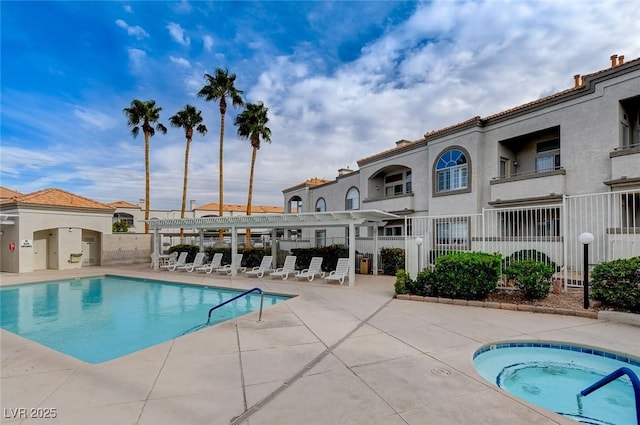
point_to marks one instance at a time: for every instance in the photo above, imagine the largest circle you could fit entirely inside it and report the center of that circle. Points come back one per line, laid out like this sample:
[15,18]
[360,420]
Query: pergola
[349,219]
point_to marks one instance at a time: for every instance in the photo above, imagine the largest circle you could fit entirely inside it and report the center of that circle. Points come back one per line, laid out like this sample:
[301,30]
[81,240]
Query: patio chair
[315,269]
[197,262]
[289,266]
[265,266]
[181,261]
[216,263]
[341,272]
[163,258]
[227,268]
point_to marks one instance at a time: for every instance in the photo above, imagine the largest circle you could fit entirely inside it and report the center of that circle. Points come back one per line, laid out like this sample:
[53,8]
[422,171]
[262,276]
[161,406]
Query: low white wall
[126,248]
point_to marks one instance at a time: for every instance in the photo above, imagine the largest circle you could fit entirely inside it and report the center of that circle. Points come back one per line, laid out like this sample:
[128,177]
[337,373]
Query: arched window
[352,201]
[452,171]
[321,205]
[127,218]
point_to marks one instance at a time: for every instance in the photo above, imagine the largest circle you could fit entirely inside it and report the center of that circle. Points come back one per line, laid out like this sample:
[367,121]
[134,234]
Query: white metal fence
[548,233]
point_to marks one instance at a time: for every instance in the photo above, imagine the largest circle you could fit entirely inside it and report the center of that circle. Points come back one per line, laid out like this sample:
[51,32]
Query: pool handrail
[256,289]
[635,382]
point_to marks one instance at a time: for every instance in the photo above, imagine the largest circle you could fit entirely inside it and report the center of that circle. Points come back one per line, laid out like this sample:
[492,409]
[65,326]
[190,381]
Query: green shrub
[529,254]
[120,227]
[192,250]
[617,284]
[403,282]
[467,275]
[532,277]
[392,260]
[425,284]
[329,254]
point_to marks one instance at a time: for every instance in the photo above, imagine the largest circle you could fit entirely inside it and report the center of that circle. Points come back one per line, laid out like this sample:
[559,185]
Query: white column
[274,248]
[375,248]
[234,251]
[352,253]
[156,248]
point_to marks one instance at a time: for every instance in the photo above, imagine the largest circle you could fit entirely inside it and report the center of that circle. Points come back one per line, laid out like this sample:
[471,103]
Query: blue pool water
[101,318]
[551,375]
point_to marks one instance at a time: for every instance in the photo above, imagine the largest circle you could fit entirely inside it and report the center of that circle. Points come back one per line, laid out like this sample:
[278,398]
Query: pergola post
[375,248]
[201,244]
[156,249]
[274,248]
[352,253]
[234,251]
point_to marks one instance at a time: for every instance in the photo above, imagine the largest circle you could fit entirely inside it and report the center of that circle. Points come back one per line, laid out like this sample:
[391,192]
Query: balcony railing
[527,175]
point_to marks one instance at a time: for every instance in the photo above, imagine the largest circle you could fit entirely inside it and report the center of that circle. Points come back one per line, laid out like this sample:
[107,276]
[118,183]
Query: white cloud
[127,8]
[208,43]
[177,34]
[95,120]
[136,58]
[180,61]
[136,31]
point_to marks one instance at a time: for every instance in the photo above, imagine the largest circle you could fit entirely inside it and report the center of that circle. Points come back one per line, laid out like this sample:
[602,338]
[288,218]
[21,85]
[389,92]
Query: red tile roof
[57,198]
[259,209]
[8,193]
[123,204]
[314,181]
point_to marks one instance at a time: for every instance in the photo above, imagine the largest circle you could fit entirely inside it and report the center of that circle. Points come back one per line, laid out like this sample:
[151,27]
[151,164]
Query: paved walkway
[332,355]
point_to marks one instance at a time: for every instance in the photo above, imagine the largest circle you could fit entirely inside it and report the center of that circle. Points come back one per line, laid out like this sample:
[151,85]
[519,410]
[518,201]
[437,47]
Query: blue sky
[342,80]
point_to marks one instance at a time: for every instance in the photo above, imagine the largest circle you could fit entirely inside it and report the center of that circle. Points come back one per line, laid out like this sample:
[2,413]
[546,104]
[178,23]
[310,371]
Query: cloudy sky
[342,80]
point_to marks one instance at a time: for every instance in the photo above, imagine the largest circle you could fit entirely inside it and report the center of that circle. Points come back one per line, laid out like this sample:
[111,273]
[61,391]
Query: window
[452,232]
[452,171]
[505,167]
[393,231]
[547,156]
[397,184]
[127,218]
[321,205]
[630,122]
[630,210]
[352,201]
[321,238]
[534,222]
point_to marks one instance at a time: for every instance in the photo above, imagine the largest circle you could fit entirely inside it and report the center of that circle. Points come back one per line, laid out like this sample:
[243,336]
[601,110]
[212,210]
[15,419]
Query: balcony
[624,162]
[528,185]
[398,203]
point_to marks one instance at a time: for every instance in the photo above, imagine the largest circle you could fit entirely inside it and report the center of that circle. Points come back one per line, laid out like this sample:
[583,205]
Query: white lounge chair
[164,259]
[265,266]
[315,269]
[227,268]
[289,267]
[341,272]
[215,264]
[197,262]
[181,261]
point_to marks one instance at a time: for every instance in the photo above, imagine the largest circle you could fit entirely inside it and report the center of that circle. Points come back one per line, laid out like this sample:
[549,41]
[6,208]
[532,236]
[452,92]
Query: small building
[51,229]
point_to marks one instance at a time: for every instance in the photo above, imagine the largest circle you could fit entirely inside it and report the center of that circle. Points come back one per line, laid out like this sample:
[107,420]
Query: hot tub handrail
[256,289]
[635,382]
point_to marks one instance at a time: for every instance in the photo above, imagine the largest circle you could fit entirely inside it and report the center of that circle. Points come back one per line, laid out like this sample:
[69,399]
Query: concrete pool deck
[332,355]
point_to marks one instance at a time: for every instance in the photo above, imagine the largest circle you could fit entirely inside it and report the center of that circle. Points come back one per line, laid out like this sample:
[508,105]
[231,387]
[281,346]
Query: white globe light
[418,241]
[586,238]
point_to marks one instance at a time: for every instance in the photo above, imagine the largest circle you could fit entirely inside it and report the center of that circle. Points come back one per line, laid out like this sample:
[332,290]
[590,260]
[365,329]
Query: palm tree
[189,118]
[220,86]
[252,125]
[143,115]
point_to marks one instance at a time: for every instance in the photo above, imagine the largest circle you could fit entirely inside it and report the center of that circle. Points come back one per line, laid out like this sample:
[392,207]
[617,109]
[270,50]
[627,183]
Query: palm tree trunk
[221,188]
[184,186]
[250,197]
[147,189]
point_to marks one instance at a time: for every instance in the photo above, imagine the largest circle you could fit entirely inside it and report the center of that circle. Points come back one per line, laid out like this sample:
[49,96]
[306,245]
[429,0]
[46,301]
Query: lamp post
[586,239]
[419,243]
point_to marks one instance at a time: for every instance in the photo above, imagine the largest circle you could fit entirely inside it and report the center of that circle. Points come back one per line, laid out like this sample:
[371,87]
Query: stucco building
[514,171]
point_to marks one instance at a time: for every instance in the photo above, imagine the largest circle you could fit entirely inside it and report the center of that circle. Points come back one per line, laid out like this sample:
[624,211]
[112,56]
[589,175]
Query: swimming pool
[551,375]
[101,318]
